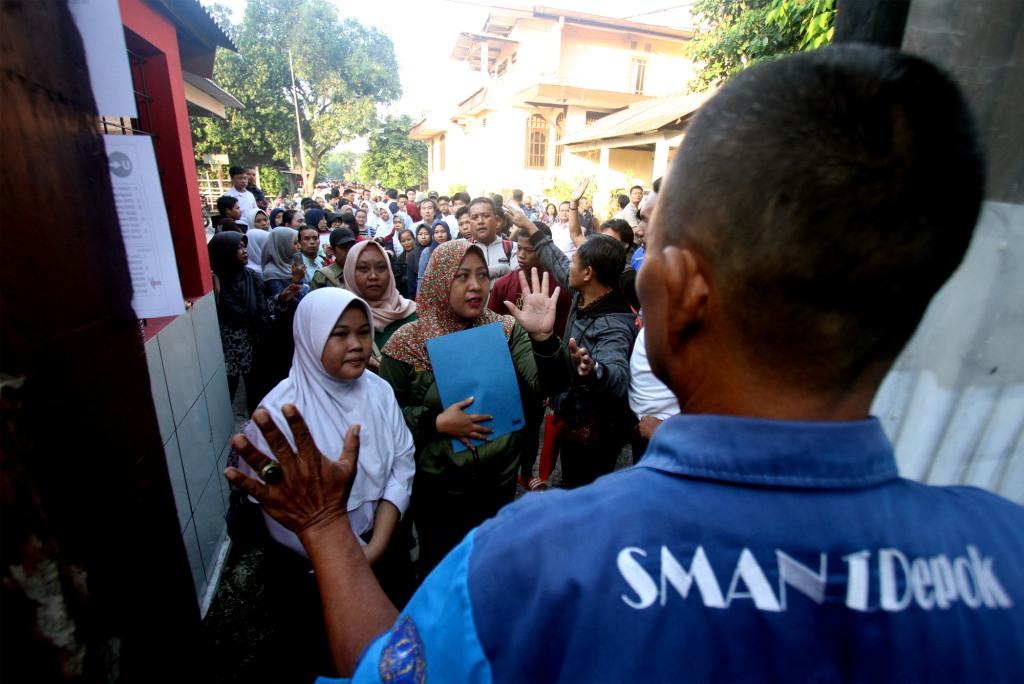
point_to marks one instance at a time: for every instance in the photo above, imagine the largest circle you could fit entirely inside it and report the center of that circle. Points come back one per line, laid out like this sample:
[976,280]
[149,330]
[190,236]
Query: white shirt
[648,396]
[453,225]
[562,238]
[246,202]
[498,264]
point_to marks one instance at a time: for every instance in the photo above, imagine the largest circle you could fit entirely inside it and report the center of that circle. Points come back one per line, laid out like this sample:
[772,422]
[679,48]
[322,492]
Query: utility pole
[298,127]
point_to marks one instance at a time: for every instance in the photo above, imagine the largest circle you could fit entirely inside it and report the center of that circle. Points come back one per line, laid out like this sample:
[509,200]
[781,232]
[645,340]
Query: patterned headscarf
[436,316]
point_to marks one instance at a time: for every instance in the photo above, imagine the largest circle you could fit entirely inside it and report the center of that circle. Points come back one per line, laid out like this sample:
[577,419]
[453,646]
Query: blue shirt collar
[773,452]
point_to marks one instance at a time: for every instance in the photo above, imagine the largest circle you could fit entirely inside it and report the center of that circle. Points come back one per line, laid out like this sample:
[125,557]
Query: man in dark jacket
[600,333]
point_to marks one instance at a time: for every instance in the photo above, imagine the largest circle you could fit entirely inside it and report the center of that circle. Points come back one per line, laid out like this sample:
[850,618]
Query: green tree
[342,71]
[338,164]
[392,158]
[735,34]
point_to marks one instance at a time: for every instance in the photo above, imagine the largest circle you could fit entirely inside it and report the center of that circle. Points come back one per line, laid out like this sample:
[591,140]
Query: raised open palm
[537,316]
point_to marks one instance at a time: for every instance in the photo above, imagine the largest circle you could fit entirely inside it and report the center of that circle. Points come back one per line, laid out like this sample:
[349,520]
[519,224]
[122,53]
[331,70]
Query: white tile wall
[196,444]
[209,522]
[158,386]
[222,418]
[177,473]
[195,559]
[207,335]
[181,366]
[190,393]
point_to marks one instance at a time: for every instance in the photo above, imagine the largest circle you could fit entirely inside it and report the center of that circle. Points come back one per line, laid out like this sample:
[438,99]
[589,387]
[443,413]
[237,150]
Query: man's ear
[687,289]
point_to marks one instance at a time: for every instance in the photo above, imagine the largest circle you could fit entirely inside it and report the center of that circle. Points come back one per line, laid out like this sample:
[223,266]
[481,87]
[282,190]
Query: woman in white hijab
[329,385]
[258,223]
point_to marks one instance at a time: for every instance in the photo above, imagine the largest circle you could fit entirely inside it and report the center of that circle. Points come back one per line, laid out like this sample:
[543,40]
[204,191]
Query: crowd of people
[732,330]
[412,267]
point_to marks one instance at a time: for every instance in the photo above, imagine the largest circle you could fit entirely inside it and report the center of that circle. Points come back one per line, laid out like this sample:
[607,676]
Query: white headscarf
[330,406]
[257,238]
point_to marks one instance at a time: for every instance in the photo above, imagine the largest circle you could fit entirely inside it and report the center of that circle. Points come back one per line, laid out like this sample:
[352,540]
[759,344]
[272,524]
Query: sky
[424,33]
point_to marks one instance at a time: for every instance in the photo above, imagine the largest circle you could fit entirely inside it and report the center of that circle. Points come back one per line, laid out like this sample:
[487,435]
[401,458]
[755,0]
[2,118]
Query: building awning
[557,94]
[502,20]
[206,98]
[467,48]
[660,113]
[427,129]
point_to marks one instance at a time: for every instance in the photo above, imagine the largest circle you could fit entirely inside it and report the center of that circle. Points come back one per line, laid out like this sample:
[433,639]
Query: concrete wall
[190,393]
[603,60]
[954,401]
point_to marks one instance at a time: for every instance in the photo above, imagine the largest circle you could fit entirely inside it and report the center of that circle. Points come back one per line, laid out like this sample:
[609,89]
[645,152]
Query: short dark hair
[308,227]
[498,200]
[289,214]
[623,200]
[605,255]
[461,197]
[461,211]
[428,201]
[392,193]
[225,202]
[564,203]
[446,198]
[622,229]
[236,170]
[517,195]
[483,200]
[828,222]
[636,187]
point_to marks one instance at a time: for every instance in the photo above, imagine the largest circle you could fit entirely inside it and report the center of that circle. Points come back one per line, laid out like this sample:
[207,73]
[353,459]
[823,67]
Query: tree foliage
[734,34]
[342,71]
[392,158]
[338,164]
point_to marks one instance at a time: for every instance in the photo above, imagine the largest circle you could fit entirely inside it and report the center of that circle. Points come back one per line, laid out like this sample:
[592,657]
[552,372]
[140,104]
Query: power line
[663,9]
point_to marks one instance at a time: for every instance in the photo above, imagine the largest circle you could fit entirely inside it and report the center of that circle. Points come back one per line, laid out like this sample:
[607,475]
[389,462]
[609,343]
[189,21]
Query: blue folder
[477,363]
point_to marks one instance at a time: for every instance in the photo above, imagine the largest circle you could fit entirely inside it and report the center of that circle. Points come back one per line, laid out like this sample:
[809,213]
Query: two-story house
[541,74]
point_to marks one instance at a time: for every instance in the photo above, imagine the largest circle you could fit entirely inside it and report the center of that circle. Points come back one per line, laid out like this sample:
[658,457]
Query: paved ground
[245,644]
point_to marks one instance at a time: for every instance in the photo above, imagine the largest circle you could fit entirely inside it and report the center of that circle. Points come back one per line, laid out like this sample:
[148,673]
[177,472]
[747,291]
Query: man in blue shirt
[817,205]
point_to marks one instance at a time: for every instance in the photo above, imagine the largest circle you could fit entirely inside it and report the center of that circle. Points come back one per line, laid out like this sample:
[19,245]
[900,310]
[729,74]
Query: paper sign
[156,289]
[477,363]
[99,24]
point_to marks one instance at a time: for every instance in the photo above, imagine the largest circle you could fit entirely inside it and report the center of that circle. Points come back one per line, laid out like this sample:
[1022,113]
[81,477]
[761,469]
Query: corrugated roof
[642,117]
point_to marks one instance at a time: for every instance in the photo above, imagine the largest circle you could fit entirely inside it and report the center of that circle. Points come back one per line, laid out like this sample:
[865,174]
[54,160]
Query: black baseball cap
[341,237]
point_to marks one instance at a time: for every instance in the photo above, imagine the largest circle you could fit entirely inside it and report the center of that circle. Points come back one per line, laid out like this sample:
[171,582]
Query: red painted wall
[173,142]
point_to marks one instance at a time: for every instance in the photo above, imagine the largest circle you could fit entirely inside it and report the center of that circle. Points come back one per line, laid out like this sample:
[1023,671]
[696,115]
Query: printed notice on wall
[99,24]
[156,289]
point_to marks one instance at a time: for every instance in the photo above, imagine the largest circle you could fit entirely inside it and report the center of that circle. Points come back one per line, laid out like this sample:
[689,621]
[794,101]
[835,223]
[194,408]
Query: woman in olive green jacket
[454,492]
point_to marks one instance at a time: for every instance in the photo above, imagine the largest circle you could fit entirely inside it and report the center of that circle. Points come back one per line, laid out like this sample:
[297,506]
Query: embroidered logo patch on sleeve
[403,660]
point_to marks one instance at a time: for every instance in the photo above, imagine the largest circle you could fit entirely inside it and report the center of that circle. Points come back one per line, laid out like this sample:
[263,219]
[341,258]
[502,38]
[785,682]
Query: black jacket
[607,329]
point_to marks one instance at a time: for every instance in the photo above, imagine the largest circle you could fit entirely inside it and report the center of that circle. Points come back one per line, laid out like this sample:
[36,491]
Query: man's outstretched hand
[313,490]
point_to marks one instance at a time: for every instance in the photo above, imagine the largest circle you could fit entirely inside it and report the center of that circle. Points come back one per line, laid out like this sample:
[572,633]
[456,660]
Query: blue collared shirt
[736,550]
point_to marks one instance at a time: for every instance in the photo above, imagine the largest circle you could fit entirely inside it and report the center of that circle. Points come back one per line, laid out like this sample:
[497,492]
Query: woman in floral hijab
[455,491]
